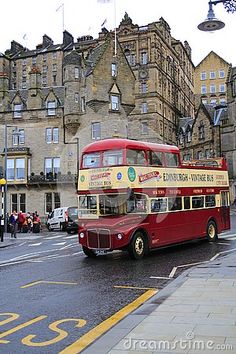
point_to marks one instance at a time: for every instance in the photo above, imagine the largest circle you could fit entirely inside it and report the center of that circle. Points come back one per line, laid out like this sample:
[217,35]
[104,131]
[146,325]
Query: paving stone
[148,330]
[215,330]
[215,309]
[158,318]
[177,308]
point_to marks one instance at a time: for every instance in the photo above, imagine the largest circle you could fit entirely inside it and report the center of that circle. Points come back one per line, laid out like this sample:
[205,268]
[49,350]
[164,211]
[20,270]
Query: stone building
[56,99]
[199,137]
[48,126]
[228,132]
[210,80]
[164,79]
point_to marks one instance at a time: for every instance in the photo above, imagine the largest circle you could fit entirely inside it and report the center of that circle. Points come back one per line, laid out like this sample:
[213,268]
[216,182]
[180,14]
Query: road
[51,294]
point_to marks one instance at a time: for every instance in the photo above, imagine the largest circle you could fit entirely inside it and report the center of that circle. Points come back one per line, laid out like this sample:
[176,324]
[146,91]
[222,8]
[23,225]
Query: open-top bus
[138,196]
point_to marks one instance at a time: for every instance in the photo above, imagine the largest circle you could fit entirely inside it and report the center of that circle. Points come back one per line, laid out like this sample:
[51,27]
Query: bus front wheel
[211,231]
[137,246]
[88,252]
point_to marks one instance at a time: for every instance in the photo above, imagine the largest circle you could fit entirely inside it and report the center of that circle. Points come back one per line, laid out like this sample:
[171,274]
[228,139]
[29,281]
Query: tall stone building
[228,132]
[164,79]
[210,80]
[55,99]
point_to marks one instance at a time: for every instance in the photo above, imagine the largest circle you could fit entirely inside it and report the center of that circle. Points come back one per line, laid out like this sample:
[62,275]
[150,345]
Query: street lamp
[212,23]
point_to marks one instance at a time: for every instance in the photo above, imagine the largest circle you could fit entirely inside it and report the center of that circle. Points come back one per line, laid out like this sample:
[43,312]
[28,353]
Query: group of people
[20,222]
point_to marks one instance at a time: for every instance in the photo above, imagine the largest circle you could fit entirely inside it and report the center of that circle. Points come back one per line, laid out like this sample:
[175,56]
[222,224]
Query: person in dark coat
[13,223]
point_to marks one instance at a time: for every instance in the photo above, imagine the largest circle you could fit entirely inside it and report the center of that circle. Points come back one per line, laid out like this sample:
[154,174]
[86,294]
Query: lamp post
[212,23]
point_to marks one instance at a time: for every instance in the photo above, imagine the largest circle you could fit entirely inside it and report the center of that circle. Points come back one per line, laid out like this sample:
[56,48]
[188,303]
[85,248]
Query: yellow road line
[103,327]
[132,287]
[47,282]
[17,328]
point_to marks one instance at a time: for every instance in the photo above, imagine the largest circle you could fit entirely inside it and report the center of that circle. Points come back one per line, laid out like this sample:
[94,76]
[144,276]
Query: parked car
[57,219]
[72,220]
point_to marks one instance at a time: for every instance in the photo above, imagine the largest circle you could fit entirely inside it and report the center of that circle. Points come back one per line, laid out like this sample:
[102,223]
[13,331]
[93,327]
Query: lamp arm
[229,5]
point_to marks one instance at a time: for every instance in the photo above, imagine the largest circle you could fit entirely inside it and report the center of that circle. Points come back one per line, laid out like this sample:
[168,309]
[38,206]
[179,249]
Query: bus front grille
[99,238]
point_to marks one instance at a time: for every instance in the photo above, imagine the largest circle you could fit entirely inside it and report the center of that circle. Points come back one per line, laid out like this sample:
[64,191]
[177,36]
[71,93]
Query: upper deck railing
[211,163]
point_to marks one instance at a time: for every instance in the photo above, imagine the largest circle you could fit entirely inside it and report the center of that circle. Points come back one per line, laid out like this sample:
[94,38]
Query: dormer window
[51,107]
[201,131]
[76,73]
[188,136]
[115,102]
[17,110]
[113,69]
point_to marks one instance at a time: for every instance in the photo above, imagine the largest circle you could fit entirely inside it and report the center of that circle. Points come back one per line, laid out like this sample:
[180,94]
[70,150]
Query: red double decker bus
[137,196]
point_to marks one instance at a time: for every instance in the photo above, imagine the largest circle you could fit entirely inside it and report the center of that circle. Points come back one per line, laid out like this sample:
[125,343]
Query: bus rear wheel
[212,231]
[137,246]
[88,252]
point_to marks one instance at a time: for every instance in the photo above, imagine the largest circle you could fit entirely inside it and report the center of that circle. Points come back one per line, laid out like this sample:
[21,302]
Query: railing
[52,178]
[211,162]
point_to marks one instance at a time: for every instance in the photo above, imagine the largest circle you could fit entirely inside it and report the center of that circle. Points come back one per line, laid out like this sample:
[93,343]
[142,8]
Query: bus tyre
[89,253]
[137,246]
[212,231]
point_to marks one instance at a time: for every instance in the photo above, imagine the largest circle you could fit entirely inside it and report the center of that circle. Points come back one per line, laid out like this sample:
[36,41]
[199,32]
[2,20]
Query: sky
[26,21]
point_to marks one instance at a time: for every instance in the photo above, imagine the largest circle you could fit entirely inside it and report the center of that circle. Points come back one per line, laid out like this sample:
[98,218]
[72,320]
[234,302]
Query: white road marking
[59,244]
[35,244]
[152,277]
[52,237]
[231,238]
[224,243]
[21,244]
[227,236]
[73,236]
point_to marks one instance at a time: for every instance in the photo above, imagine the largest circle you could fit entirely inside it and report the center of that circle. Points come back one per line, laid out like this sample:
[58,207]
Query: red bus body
[172,203]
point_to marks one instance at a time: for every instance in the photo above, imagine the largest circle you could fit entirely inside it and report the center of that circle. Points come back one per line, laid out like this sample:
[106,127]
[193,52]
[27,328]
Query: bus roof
[118,143]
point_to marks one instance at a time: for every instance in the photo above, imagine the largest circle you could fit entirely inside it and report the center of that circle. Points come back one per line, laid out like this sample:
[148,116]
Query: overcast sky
[26,21]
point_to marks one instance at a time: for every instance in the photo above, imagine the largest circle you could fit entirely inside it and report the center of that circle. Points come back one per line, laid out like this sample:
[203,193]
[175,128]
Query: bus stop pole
[2,215]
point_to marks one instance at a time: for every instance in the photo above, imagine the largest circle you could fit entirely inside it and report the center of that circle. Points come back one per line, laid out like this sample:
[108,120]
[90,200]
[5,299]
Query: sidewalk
[194,314]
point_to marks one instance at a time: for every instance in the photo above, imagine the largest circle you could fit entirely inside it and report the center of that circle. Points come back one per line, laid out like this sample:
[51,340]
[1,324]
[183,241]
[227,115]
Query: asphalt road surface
[51,294]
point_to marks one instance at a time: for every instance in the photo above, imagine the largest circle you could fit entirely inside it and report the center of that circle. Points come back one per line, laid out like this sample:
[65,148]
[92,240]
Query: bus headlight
[119,236]
[81,235]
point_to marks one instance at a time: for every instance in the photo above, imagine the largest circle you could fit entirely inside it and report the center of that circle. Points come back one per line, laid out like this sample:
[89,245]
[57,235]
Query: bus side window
[175,203]
[172,160]
[158,205]
[136,157]
[197,202]
[155,158]
[186,202]
[210,201]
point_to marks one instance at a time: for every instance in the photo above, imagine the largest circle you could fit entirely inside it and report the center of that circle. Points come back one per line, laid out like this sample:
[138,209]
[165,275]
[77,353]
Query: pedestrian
[36,223]
[21,220]
[29,219]
[13,223]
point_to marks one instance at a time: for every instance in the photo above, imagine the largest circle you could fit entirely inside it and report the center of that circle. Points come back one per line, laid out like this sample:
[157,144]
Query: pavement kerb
[113,336]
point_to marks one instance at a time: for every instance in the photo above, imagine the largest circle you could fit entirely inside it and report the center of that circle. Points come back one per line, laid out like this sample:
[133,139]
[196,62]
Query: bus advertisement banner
[149,177]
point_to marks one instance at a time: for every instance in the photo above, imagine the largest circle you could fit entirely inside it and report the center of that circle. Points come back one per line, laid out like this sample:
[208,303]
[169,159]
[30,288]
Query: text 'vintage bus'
[137,196]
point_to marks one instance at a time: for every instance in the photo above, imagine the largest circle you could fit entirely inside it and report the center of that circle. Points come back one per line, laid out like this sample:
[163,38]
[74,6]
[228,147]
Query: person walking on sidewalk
[21,220]
[13,223]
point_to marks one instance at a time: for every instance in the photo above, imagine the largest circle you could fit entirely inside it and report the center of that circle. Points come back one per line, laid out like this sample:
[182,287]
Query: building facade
[56,99]
[228,132]
[210,80]
[199,137]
